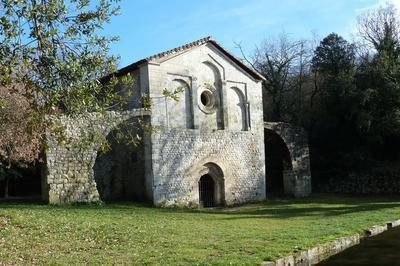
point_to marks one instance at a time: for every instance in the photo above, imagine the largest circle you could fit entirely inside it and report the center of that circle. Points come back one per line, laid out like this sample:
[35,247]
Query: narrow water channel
[383,249]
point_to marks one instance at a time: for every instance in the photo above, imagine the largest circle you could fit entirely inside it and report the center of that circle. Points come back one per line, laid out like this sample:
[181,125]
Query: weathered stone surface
[268,263]
[364,183]
[215,128]
[286,261]
[297,180]
[393,224]
[218,121]
[69,163]
[183,156]
[317,254]
[376,230]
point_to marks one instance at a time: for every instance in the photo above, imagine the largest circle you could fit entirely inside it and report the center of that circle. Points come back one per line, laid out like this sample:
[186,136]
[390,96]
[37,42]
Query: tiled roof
[185,47]
[179,49]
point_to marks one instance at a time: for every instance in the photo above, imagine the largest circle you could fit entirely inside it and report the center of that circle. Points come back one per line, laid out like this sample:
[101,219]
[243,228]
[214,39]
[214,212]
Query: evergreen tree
[52,60]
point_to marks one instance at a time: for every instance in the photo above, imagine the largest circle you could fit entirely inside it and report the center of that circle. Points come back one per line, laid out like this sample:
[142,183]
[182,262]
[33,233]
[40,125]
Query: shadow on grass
[320,205]
[285,212]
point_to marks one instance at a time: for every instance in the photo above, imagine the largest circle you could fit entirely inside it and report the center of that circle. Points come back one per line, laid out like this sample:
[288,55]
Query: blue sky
[147,27]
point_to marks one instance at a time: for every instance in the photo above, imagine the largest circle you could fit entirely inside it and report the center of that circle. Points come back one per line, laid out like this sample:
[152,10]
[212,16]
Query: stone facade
[218,121]
[214,130]
[181,157]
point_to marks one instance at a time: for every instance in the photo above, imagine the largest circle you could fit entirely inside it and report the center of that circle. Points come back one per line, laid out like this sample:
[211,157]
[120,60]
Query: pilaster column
[224,101]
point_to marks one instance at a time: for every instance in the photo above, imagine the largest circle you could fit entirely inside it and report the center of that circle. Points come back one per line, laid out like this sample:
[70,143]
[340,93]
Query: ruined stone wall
[374,182]
[180,157]
[119,173]
[298,182]
[71,154]
[189,134]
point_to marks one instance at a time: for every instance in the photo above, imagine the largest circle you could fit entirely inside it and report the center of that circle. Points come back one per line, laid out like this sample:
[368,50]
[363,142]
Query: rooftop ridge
[253,73]
[179,48]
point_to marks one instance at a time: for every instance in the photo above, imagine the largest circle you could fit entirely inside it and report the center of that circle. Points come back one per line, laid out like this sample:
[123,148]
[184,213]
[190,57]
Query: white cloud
[396,3]
[379,3]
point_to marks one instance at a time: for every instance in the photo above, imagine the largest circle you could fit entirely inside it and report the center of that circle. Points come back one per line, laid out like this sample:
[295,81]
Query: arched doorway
[119,172]
[278,164]
[211,186]
[207,191]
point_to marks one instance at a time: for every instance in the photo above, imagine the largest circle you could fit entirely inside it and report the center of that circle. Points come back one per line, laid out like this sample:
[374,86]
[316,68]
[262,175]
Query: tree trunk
[6,186]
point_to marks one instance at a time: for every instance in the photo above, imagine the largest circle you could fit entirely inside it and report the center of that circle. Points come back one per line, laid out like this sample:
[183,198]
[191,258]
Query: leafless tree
[375,24]
[285,63]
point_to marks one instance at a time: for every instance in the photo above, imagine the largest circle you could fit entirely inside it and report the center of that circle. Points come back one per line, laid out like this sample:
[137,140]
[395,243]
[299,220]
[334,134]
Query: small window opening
[206,99]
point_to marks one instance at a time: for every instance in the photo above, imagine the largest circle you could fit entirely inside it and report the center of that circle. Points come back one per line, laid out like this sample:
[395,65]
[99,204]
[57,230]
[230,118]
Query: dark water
[383,249]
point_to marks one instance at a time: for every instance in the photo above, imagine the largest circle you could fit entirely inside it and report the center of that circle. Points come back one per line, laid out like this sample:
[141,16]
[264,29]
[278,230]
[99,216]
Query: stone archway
[119,172]
[296,174]
[69,164]
[211,186]
[278,164]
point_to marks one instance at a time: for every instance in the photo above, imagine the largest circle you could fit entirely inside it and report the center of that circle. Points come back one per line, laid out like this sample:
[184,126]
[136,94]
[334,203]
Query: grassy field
[136,234]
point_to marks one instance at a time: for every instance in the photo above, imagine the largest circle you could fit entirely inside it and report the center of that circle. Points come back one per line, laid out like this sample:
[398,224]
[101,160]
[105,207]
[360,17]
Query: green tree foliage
[334,132]
[333,62]
[52,61]
[54,49]
[379,77]
[334,56]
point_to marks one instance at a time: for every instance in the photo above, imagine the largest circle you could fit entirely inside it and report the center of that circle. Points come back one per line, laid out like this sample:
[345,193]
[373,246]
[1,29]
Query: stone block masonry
[181,157]
[71,153]
[298,178]
[206,146]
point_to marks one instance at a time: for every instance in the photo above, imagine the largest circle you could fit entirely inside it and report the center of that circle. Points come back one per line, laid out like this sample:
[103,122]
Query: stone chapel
[208,149]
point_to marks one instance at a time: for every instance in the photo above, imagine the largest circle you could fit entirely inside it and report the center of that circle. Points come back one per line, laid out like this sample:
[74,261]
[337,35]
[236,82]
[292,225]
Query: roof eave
[254,74]
[125,70]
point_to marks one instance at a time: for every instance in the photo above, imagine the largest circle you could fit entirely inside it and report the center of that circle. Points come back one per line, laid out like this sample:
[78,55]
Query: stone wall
[71,154]
[387,182]
[180,158]
[236,103]
[298,182]
[192,137]
[120,173]
[217,121]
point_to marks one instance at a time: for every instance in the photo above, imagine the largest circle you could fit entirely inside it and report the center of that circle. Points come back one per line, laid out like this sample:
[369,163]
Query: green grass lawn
[137,234]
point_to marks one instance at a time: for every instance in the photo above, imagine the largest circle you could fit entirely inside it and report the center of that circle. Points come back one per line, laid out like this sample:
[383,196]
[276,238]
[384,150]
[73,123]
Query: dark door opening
[207,191]
[277,163]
